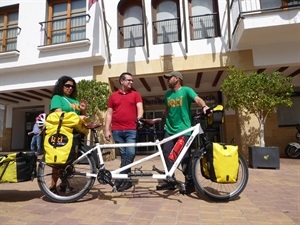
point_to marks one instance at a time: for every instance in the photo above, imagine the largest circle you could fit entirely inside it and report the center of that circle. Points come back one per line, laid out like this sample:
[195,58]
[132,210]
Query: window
[9,29]
[66,21]
[166,21]
[204,19]
[269,4]
[289,116]
[265,4]
[131,26]
[292,2]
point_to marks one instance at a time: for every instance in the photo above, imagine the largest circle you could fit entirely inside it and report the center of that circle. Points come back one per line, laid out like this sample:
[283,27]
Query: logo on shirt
[74,106]
[175,102]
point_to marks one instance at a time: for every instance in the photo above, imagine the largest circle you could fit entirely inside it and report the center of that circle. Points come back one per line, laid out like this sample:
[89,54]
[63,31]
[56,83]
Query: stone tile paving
[272,197]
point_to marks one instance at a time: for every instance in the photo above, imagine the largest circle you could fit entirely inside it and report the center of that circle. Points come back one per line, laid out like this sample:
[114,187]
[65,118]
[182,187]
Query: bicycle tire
[75,174]
[220,191]
[292,152]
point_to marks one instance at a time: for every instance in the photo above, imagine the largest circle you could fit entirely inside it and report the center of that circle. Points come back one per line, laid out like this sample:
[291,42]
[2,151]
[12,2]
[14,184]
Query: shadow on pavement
[18,196]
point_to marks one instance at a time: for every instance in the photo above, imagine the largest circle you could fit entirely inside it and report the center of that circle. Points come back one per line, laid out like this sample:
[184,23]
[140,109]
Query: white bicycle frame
[197,129]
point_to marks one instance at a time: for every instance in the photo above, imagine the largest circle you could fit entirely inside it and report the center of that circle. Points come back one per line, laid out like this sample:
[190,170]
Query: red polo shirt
[124,109]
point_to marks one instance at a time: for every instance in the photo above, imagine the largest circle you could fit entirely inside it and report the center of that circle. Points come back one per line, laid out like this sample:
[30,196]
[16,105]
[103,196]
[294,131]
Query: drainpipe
[145,28]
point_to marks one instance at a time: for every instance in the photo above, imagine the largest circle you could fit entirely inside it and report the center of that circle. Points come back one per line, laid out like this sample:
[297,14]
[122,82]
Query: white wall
[31,13]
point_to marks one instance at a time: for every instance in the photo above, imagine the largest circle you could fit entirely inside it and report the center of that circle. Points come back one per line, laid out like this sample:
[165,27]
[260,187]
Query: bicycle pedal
[172,180]
[114,189]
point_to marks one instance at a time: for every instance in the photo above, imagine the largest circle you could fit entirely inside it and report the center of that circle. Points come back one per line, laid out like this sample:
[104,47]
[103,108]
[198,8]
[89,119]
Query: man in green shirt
[178,102]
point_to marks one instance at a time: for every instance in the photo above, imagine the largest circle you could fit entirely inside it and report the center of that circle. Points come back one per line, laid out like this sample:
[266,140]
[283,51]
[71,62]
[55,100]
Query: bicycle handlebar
[201,114]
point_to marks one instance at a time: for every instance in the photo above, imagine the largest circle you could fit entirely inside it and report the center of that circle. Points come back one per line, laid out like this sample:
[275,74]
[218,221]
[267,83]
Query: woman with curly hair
[64,100]
[64,97]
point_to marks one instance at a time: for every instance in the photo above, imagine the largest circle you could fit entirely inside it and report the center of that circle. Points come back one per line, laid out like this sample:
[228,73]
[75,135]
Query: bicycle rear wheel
[75,178]
[220,191]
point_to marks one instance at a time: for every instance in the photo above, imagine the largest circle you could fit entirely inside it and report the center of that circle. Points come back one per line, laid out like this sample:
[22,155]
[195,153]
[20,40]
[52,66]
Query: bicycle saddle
[151,121]
[93,125]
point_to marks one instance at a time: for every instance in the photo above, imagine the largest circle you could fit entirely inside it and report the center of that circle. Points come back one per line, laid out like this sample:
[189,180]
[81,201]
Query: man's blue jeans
[127,154]
[36,144]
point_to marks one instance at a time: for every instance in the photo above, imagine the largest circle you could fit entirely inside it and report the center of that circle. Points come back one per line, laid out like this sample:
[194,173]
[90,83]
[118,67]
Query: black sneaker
[189,189]
[53,190]
[118,183]
[165,186]
[65,189]
[126,185]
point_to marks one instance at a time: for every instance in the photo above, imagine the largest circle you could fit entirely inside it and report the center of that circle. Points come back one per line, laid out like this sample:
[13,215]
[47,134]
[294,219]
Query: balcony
[204,26]
[64,33]
[166,31]
[131,35]
[258,23]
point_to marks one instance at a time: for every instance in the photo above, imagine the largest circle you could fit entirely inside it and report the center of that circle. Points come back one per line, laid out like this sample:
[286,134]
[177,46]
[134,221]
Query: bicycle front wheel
[73,181]
[220,191]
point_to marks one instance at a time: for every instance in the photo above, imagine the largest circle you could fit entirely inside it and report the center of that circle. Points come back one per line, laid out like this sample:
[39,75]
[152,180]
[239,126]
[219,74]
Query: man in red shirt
[125,107]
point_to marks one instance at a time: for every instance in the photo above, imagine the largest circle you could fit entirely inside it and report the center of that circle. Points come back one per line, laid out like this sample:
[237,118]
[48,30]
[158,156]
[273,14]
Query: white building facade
[84,39]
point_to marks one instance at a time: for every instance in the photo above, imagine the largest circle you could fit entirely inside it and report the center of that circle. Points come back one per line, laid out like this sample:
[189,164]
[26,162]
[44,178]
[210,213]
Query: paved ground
[271,197]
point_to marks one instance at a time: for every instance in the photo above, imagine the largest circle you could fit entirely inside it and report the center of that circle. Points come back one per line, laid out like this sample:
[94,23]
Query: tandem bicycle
[81,174]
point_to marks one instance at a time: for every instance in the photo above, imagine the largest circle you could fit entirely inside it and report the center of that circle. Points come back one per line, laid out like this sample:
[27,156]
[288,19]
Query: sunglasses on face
[69,86]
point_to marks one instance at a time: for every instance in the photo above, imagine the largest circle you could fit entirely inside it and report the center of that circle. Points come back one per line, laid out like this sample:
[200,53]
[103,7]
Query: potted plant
[258,94]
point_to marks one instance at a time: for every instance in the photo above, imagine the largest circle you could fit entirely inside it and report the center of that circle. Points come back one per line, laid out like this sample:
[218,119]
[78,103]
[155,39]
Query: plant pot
[264,157]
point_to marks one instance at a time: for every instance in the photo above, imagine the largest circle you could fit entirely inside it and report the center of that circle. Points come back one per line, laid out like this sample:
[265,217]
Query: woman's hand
[82,105]
[83,117]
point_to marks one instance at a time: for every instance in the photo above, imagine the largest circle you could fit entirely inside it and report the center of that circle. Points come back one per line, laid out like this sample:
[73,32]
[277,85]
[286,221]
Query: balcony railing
[167,31]
[8,39]
[240,8]
[64,30]
[131,35]
[204,26]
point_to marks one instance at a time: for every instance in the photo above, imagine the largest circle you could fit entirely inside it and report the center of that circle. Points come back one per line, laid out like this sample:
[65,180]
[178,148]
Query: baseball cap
[174,74]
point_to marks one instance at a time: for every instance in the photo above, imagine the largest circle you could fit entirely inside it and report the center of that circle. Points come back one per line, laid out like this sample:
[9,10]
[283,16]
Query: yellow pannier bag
[71,120]
[62,137]
[221,163]
[17,167]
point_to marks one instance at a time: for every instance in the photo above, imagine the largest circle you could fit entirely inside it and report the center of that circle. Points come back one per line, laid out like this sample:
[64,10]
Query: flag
[91,2]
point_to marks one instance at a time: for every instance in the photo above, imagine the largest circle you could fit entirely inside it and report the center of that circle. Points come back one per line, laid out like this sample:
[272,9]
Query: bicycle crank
[104,177]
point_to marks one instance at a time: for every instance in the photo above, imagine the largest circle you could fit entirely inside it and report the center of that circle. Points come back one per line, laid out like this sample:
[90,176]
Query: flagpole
[105,30]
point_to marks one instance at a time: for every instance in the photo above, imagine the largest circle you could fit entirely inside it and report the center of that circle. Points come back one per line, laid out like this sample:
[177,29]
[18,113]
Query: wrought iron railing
[204,26]
[64,29]
[240,8]
[131,35]
[167,31]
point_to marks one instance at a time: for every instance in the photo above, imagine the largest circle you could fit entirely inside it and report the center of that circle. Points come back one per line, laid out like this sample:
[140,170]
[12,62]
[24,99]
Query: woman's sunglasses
[69,86]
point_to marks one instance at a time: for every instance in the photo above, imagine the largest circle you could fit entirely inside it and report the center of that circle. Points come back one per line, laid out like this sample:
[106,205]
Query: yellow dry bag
[221,163]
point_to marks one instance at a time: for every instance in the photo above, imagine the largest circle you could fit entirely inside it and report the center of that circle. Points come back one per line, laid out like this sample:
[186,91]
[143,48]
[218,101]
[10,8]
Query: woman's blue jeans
[127,153]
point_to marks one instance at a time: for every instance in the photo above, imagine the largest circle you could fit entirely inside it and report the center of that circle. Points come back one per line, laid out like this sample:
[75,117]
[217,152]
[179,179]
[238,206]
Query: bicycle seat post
[96,139]
[154,132]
